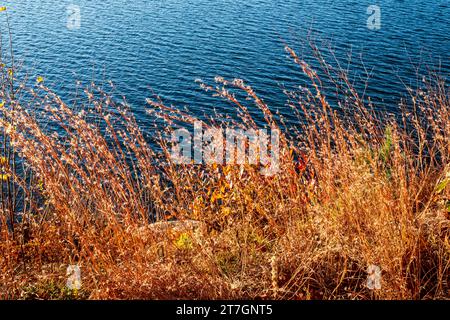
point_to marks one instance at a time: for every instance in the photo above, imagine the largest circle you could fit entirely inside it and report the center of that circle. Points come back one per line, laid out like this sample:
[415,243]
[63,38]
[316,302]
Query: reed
[355,188]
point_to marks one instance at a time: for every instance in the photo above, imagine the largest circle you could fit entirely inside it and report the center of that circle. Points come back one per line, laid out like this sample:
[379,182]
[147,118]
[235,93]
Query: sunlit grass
[355,189]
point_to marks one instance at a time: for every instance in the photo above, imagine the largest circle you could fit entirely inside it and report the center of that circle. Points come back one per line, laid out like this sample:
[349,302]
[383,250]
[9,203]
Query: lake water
[166,44]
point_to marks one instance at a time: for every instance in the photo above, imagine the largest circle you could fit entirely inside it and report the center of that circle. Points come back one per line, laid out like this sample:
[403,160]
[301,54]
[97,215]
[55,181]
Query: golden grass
[355,188]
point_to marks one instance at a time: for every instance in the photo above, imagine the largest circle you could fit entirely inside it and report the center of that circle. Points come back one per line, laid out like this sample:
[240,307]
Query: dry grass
[355,188]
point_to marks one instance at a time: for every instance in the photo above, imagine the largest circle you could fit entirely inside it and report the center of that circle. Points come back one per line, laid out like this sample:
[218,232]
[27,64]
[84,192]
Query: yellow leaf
[226,211]
[4,177]
[3,160]
[2,104]
[2,8]
[41,185]
[39,79]
[184,241]
[441,186]
[227,169]
[215,196]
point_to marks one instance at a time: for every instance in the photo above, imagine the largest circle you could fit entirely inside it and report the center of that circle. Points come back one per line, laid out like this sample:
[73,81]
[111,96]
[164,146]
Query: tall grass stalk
[356,188]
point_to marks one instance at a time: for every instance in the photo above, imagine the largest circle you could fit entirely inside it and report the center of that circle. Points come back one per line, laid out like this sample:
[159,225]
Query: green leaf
[385,149]
[441,186]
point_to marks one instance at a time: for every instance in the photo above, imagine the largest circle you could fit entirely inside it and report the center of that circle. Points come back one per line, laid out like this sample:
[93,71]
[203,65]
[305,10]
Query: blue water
[166,44]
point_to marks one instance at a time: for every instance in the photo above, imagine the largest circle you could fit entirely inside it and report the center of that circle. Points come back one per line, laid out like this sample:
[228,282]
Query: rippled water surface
[167,44]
